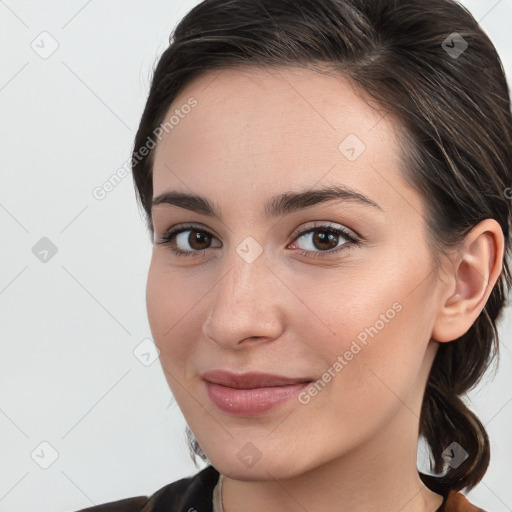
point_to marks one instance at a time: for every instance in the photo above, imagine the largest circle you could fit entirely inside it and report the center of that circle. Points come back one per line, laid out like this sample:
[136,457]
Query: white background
[68,375]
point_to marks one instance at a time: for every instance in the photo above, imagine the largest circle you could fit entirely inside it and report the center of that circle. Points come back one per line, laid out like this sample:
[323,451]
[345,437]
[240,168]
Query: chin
[239,466]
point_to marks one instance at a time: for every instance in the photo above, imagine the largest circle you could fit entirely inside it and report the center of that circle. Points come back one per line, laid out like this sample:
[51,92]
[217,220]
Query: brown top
[456,501]
[200,492]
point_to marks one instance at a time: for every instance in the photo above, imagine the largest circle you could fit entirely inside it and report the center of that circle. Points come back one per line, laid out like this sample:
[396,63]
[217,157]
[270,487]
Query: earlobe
[475,272]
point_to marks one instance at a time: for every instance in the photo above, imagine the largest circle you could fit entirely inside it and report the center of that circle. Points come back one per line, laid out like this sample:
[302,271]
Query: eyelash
[168,239]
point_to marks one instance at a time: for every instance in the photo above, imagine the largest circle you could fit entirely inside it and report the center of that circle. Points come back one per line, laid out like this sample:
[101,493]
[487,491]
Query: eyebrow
[281,204]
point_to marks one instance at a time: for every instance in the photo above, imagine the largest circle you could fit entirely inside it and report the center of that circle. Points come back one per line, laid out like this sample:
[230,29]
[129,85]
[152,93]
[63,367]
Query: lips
[250,394]
[250,380]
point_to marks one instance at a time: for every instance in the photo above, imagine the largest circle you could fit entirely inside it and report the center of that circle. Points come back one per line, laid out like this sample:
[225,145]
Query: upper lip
[249,380]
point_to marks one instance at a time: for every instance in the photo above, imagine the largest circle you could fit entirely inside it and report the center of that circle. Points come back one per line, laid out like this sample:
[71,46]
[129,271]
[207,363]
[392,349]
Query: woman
[325,183]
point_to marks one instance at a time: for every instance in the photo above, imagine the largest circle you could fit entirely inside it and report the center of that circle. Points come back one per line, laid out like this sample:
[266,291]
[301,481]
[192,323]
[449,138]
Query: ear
[476,269]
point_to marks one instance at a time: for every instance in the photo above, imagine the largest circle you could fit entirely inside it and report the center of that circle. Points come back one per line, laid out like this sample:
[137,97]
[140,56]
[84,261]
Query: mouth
[252,393]
[250,380]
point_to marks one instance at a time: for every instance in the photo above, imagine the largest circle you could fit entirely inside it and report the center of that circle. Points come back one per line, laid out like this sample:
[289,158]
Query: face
[334,290]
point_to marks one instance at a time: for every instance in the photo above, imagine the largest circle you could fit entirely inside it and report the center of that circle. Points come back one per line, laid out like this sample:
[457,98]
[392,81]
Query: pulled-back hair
[455,120]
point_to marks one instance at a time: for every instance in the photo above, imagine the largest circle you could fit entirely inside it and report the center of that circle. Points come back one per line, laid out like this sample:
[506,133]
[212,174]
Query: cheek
[159,306]
[170,305]
[382,342]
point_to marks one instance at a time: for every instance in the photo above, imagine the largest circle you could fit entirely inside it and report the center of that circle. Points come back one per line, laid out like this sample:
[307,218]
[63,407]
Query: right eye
[197,238]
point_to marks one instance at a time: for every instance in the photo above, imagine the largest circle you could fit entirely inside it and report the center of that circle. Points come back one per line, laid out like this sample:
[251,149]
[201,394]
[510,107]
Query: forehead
[258,110]
[256,130]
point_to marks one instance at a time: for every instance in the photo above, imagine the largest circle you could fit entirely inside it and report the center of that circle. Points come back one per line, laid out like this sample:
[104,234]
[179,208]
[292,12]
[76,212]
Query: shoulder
[194,492]
[457,502]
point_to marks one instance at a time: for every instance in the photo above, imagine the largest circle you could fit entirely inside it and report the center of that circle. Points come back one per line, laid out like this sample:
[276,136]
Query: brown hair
[456,123]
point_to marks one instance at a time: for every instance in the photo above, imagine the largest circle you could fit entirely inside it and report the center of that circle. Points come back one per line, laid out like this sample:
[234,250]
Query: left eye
[325,239]
[322,238]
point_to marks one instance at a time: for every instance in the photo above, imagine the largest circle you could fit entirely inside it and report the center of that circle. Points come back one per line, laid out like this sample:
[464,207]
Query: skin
[254,134]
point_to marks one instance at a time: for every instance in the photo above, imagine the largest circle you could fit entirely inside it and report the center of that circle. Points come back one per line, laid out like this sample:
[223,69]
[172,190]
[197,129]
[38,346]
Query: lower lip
[251,402]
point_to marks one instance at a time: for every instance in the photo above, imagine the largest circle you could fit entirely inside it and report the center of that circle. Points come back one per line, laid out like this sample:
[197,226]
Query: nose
[246,304]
